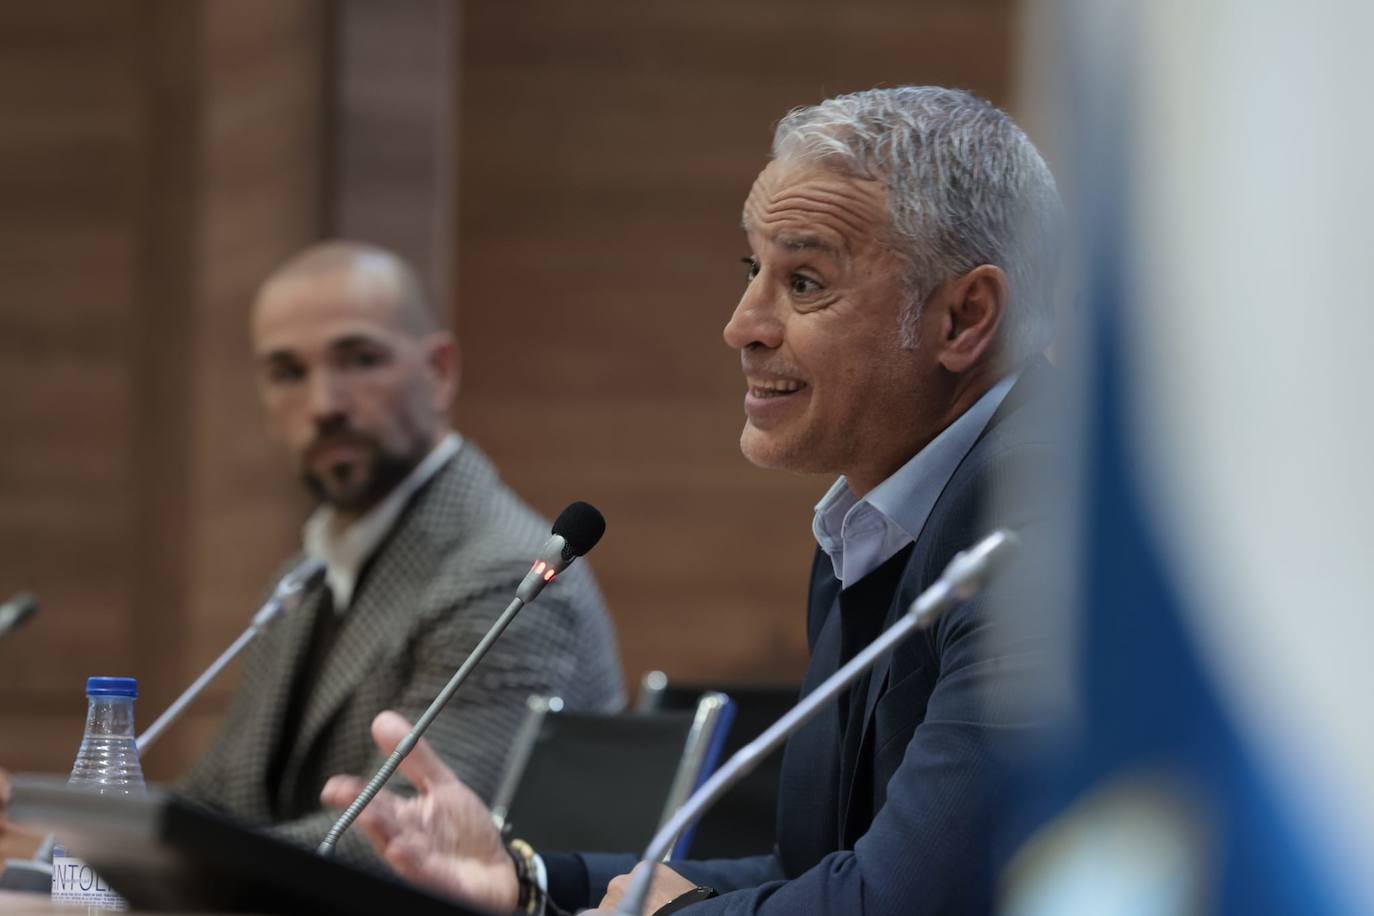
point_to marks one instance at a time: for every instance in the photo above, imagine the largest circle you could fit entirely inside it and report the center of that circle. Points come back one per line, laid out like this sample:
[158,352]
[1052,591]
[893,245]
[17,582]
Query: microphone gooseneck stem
[755,751]
[15,612]
[960,581]
[173,712]
[287,592]
[421,725]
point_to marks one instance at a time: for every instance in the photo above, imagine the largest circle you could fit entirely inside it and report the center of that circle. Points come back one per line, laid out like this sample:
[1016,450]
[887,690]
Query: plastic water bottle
[106,764]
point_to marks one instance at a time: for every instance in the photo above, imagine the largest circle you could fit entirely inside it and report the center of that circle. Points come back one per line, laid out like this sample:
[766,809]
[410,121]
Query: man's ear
[444,362]
[971,307]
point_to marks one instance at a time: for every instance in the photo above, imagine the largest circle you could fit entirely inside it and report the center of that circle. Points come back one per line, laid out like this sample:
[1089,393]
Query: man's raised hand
[443,838]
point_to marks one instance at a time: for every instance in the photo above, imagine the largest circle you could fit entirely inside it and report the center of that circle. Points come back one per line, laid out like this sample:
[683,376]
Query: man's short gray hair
[965,187]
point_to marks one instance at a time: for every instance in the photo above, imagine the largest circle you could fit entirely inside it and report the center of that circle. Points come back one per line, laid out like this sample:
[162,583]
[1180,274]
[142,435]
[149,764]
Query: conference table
[169,855]
[12,904]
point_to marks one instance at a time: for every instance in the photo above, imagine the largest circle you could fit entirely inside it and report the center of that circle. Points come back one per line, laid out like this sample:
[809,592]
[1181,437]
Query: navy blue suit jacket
[887,798]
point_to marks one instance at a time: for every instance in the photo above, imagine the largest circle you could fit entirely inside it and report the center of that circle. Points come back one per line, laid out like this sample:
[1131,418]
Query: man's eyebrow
[276,356]
[793,242]
[355,342]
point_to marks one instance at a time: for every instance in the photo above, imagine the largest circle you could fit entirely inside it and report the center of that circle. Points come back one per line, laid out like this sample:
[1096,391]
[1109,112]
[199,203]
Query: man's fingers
[340,791]
[388,729]
[380,820]
[383,815]
[422,765]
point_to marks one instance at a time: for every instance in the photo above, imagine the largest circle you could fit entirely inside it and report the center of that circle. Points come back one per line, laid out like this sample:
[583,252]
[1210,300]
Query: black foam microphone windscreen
[581,526]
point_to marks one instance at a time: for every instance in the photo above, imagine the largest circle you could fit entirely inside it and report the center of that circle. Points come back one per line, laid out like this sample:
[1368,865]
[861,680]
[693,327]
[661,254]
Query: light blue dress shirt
[859,535]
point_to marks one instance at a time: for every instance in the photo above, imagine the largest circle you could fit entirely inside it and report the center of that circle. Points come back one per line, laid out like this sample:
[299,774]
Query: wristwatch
[681,901]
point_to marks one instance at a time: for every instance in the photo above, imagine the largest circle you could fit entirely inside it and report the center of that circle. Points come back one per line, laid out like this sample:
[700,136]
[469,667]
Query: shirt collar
[344,552]
[859,535]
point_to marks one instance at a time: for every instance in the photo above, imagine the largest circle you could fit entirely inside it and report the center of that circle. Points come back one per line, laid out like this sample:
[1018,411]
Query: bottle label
[75,882]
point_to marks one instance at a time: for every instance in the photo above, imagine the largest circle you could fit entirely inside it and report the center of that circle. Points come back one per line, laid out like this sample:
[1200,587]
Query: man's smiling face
[830,388]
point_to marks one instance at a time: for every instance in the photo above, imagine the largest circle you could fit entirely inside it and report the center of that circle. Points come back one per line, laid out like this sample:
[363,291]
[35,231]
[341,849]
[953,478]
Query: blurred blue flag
[1216,755]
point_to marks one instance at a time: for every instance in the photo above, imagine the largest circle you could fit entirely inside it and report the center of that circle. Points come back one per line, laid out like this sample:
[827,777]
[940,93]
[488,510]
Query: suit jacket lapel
[903,596]
[885,584]
[386,607]
[811,779]
[272,695]
[378,621]
[877,678]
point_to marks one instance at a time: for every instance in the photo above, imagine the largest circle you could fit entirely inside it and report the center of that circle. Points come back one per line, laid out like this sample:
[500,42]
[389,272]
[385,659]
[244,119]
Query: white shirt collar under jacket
[344,552]
[859,535]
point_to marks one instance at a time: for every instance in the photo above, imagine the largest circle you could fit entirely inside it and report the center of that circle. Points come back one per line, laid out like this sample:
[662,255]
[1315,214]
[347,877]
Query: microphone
[965,575]
[16,612]
[577,530]
[286,595]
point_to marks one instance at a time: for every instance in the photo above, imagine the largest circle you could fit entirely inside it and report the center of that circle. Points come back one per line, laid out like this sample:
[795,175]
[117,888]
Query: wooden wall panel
[261,188]
[157,157]
[70,97]
[605,151]
[393,131]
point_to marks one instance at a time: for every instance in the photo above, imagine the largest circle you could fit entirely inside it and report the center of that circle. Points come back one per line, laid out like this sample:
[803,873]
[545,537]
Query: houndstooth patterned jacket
[446,572]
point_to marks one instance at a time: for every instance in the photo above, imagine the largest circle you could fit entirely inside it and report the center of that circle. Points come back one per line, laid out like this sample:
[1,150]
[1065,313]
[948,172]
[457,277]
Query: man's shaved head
[382,272]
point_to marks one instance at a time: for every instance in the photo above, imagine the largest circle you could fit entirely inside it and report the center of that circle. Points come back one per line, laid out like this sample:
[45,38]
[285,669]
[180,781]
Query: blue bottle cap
[111,687]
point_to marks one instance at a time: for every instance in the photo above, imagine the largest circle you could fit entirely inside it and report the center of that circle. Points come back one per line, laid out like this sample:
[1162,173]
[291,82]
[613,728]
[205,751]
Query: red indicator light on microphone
[539,566]
[548,574]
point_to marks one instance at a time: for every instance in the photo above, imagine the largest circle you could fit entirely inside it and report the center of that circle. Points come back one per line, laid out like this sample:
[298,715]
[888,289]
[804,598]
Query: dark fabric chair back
[592,782]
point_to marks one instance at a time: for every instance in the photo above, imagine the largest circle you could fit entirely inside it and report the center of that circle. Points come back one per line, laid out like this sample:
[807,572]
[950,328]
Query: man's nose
[755,322]
[328,395]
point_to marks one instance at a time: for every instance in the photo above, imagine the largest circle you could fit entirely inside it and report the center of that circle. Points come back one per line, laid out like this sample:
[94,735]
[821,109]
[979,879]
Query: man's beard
[356,486]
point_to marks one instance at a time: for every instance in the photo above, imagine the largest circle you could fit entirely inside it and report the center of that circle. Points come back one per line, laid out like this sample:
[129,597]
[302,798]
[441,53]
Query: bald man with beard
[423,547]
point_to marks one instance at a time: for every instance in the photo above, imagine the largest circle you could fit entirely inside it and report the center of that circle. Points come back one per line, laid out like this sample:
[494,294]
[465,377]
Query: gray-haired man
[900,294]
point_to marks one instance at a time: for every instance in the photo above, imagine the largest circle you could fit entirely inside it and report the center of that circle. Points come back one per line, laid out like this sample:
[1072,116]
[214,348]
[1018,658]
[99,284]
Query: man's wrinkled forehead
[800,205]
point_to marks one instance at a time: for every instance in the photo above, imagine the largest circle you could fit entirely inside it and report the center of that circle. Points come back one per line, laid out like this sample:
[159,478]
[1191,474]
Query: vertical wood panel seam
[163,380]
[330,123]
[444,231]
